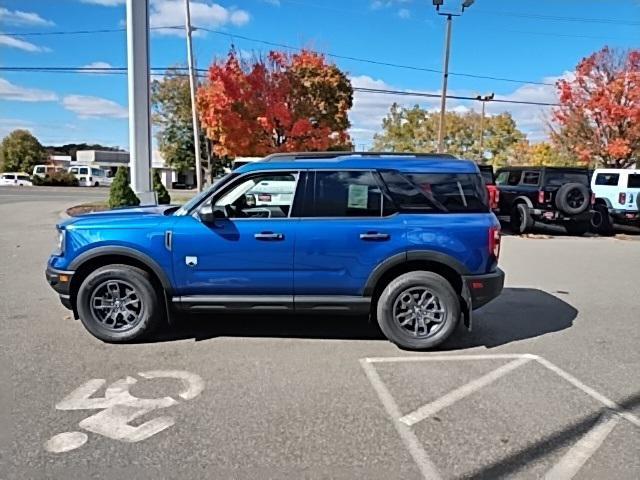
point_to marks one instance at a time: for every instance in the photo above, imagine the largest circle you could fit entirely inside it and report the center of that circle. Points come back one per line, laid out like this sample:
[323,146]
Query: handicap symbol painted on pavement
[119,407]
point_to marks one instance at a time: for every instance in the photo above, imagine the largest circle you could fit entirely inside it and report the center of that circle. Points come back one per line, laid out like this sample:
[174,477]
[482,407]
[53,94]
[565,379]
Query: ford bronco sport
[408,239]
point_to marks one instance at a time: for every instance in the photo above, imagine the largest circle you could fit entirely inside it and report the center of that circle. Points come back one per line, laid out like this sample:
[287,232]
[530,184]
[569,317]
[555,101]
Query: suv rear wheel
[117,303]
[577,228]
[418,310]
[601,221]
[521,219]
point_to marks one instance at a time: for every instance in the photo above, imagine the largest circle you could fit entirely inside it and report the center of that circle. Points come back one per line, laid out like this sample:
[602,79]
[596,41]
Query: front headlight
[60,243]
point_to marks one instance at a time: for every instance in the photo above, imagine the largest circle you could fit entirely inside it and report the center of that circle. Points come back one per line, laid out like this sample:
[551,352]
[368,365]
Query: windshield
[184,209]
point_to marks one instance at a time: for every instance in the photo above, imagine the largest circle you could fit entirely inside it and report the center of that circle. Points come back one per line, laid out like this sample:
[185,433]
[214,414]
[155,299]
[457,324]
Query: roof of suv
[539,168]
[407,162]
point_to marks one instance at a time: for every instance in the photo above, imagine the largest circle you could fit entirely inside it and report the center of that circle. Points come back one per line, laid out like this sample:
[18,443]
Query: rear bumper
[628,217]
[550,215]
[60,281]
[484,288]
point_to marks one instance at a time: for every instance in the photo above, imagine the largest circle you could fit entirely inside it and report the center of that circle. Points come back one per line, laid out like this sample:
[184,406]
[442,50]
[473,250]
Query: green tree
[20,151]
[121,194]
[161,192]
[171,99]
[416,130]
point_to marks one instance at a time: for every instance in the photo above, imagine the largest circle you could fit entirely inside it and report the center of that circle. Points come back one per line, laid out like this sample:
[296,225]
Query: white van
[43,170]
[17,179]
[91,176]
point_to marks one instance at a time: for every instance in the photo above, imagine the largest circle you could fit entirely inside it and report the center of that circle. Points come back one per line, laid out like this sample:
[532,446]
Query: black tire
[447,299]
[601,221]
[150,311]
[577,228]
[521,219]
[96,184]
[573,198]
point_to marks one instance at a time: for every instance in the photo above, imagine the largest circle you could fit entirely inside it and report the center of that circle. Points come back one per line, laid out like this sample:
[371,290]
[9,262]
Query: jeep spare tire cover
[573,198]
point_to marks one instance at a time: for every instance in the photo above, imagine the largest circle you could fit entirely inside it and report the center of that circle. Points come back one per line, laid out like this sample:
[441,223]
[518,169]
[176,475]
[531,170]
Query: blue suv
[408,239]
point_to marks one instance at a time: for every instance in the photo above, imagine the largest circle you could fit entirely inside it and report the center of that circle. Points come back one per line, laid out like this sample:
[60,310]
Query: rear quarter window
[557,179]
[437,192]
[634,181]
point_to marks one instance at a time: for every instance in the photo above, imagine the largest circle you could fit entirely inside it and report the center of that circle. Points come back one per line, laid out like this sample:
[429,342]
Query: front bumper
[484,288]
[60,281]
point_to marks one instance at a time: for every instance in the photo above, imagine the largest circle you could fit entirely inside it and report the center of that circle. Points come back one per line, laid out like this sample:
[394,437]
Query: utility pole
[139,101]
[445,78]
[484,100]
[445,69]
[192,85]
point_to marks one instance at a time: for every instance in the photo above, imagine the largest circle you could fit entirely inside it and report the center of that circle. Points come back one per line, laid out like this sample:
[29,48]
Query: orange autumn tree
[599,113]
[280,103]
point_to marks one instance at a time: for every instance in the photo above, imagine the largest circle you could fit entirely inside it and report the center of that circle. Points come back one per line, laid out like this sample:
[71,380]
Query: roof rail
[293,156]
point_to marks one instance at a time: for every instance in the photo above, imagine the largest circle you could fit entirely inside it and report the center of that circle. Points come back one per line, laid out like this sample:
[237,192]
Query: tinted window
[487,174]
[23,177]
[346,194]
[514,177]
[9,177]
[84,171]
[437,192]
[502,178]
[40,169]
[531,178]
[608,179]
[558,179]
[634,181]
[73,170]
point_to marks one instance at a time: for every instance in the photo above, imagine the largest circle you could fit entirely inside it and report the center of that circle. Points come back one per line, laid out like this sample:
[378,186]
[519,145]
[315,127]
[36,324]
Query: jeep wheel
[573,198]
[521,219]
[577,228]
[601,221]
[117,303]
[418,310]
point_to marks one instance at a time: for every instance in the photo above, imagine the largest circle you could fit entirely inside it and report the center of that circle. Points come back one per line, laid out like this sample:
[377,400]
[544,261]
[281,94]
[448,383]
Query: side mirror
[208,214]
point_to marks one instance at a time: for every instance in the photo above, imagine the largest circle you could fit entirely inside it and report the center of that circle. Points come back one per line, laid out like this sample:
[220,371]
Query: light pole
[484,100]
[192,85]
[445,69]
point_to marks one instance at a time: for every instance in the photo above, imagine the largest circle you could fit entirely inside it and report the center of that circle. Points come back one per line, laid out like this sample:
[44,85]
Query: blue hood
[119,217]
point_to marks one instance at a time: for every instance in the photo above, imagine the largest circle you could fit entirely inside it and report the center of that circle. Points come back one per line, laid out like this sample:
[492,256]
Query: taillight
[540,196]
[622,198]
[494,242]
[593,199]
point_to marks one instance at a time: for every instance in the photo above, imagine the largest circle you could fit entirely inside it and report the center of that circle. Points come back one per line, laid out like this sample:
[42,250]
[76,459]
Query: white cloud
[404,13]
[11,91]
[17,17]
[93,107]
[370,108]
[98,66]
[105,3]
[166,13]
[14,42]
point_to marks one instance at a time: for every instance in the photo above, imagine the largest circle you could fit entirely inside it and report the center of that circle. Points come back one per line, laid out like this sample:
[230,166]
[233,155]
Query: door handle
[374,236]
[268,236]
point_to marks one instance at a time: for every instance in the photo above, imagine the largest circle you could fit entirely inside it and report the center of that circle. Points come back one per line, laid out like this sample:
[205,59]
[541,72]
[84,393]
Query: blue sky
[532,40]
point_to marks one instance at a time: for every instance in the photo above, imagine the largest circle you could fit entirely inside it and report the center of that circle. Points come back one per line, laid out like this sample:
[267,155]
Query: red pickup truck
[490,181]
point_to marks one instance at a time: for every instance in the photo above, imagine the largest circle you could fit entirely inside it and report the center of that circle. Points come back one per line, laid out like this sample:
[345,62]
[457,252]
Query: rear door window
[607,179]
[24,178]
[7,176]
[634,181]
[530,178]
[514,178]
[346,194]
[437,192]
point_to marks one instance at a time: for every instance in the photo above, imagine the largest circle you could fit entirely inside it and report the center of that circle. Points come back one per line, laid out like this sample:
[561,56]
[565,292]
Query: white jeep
[617,193]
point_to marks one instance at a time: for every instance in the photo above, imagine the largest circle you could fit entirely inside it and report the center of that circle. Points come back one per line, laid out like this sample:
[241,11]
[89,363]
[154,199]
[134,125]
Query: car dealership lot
[295,397]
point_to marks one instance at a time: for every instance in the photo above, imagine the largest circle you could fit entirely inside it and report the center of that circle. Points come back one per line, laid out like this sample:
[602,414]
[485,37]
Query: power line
[83,32]
[330,55]
[182,72]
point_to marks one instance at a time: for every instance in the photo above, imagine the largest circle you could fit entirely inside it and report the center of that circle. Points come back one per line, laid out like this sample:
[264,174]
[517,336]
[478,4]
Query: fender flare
[404,257]
[125,252]
[522,199]
[604,200]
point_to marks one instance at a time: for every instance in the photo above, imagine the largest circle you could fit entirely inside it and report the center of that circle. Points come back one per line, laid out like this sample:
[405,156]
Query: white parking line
[426,467]
[461,392]
[577,456]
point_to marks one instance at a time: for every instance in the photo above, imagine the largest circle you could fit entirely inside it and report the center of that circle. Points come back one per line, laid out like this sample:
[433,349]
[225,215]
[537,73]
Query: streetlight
[445,73]
[484,100]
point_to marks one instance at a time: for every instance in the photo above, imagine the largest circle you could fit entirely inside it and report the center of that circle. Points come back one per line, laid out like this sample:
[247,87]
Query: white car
[617,193]
[15,179]
[44,170]
[91,176]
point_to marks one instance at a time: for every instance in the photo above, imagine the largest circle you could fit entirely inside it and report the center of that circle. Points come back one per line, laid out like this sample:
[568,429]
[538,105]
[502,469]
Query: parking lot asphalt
[547,383]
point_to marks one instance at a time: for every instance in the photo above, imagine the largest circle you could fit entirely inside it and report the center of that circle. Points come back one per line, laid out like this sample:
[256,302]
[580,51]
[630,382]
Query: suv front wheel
[117,303]
[418,310]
